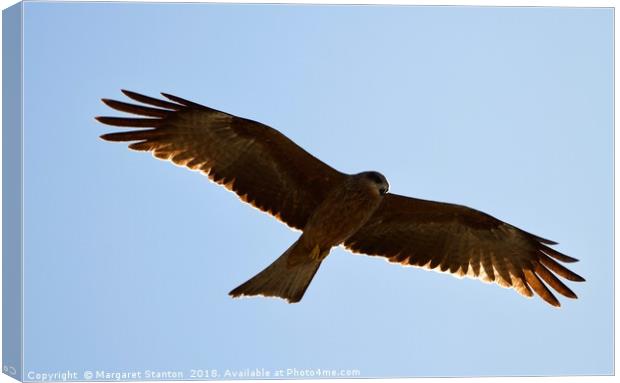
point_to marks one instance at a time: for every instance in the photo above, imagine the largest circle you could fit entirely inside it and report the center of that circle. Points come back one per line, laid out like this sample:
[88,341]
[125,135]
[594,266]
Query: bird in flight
[269,171]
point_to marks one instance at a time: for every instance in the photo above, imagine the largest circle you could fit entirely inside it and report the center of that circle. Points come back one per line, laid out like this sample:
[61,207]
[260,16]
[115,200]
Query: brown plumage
[272,173]
[464,242]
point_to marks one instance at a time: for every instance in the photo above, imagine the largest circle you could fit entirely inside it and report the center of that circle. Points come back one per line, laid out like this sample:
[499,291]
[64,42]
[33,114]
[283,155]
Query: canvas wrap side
[12,323]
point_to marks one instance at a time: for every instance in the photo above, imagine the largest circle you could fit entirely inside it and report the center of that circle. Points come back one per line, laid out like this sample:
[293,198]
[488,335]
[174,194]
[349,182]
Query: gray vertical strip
[12,324]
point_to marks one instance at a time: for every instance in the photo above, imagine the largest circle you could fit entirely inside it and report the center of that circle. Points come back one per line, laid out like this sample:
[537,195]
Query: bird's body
[344,210]
[332,208]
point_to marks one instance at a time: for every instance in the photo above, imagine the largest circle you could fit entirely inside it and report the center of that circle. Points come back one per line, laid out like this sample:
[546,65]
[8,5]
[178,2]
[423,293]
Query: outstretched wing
[257,162]
[464,242]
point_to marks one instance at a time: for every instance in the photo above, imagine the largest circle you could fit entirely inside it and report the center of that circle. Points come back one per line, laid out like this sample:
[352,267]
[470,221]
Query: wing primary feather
[135,109]
[130,122]
[181,101]
[557,255]
[147,134]
[560,270]
[535,237]
[554,282]
[191,104]
[543,240]
[151,101]
[540,288]
[521,286]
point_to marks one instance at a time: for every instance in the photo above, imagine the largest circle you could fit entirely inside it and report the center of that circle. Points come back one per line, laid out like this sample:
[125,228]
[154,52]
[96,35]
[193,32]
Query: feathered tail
[287,277]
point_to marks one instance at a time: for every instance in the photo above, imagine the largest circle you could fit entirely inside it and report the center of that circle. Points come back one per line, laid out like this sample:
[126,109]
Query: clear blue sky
[128,260]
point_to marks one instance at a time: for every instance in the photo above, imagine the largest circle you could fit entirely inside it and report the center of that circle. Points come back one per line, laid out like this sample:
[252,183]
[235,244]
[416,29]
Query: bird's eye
[375,177]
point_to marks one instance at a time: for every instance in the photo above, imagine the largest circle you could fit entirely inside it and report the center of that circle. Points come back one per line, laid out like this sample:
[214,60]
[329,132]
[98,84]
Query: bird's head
[377,180]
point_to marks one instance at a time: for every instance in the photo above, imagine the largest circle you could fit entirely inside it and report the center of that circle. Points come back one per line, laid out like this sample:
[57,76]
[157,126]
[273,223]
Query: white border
[528,3]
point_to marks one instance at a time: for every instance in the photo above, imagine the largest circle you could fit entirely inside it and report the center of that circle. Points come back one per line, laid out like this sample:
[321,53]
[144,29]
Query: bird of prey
[268,170]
